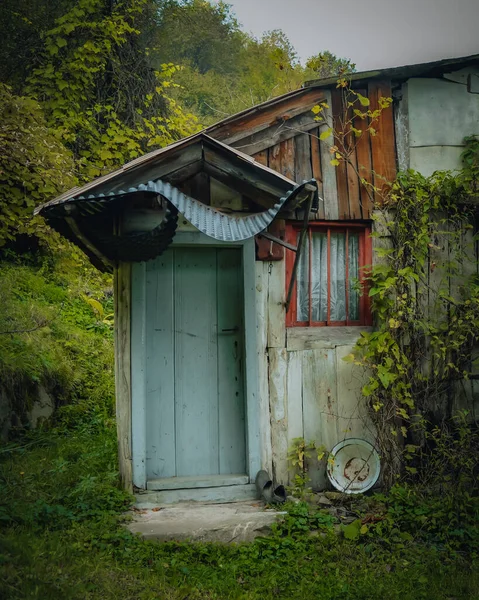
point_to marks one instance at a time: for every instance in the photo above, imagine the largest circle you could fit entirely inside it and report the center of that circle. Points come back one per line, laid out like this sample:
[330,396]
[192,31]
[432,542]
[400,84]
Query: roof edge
[137,163]
[400,72]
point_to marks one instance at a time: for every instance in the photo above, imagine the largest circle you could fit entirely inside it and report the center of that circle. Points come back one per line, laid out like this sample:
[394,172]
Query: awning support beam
[277,240]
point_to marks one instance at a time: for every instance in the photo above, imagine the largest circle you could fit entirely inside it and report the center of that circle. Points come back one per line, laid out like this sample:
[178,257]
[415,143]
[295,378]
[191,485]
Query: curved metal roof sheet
[212,222]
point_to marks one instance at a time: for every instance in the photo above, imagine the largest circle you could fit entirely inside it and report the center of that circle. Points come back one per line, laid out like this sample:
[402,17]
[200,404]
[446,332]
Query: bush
[51,335]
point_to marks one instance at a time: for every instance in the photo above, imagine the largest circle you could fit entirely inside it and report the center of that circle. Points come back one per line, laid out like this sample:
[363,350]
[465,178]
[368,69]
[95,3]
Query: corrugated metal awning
[88,216]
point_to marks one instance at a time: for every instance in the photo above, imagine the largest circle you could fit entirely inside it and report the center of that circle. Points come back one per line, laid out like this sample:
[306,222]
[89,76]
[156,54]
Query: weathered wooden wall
[286,139]
[122,295]
[313,393]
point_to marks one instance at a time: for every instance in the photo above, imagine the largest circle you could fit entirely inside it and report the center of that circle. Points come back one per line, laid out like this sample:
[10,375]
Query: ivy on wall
[424,294]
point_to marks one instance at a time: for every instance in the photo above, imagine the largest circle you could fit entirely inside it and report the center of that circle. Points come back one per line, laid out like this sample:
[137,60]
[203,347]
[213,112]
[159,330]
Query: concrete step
[226,523]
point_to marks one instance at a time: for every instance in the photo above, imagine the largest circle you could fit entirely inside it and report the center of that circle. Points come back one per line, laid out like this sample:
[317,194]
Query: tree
[98,88]
[34,166]
[325,65]
[270,67]
[198,34]
[22,24]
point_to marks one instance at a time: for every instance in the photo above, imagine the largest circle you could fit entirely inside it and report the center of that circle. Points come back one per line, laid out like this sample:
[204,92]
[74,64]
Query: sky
[372,33]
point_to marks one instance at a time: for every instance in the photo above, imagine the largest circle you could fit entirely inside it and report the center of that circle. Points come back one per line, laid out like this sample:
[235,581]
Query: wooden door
[195,416]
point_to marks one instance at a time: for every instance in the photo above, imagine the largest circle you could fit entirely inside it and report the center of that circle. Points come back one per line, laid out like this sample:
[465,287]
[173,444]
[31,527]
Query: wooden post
[122,291]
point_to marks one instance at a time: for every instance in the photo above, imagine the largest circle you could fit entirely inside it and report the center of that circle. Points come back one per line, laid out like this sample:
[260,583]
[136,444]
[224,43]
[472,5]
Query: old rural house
[215,373]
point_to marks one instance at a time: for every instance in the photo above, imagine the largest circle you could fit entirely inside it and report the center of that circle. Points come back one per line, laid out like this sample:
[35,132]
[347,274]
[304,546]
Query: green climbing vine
[98,90]
[424,294]
[300,454]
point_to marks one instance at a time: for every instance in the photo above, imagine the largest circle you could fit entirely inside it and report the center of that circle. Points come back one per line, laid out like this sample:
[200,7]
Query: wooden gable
[284,136]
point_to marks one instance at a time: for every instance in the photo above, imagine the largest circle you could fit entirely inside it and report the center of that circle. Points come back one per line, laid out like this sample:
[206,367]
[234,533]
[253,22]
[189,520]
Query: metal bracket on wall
[298,250]
[277,240]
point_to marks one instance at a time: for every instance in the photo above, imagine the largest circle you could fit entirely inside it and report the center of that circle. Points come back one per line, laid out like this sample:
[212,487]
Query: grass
[62,537]
[55,331]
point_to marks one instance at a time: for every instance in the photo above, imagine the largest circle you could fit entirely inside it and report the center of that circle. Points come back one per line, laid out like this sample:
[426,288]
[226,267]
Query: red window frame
[365,259]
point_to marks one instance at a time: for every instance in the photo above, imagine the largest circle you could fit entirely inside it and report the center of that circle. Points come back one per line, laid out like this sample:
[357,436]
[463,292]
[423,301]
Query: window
[331,261]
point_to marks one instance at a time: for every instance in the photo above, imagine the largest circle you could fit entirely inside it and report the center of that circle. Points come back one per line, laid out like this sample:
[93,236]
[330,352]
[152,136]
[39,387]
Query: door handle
[230,330]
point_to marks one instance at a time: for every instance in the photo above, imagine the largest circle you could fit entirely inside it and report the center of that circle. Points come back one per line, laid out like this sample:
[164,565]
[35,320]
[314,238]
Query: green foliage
[426,517]
[442,507]
[325,65]
[301,518]
[50,336]
[34,166]
[426,325]
[300,455]
[262,69]
[61,479]
[226,70]
[22,23]
[62,538]
[194,33]
[353,531]
[98,90]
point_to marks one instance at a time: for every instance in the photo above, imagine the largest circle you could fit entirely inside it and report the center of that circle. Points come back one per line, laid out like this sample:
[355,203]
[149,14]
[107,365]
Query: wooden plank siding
[234,130]
[341,169]
[122,336]
[364,165]
[316,169]
[383,148]
[304,156]
[287,150]
[314,394]
[285,137]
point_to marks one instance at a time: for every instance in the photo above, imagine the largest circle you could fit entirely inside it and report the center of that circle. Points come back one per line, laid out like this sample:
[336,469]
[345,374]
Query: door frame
[138,356]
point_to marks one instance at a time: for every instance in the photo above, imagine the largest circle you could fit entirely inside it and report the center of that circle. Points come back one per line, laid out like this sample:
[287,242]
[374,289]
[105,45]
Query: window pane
[353,276]
[319,277]
[338,277]
[302,286]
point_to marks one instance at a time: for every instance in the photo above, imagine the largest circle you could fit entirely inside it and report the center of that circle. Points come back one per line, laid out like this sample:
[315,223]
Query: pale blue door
[195,415]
